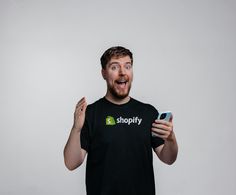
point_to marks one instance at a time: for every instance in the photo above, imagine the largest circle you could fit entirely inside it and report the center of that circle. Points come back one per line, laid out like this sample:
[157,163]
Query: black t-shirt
[119,145]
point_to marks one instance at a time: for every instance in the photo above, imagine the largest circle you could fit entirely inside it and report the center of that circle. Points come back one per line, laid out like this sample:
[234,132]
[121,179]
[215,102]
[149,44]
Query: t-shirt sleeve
[156,141]
[84,136]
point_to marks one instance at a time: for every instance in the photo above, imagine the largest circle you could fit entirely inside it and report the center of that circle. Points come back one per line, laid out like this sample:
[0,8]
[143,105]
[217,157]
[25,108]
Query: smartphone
[163,116]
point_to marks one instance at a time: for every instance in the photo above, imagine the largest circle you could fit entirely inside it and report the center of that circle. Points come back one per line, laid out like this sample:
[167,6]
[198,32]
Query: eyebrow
[113,63]
[118,63]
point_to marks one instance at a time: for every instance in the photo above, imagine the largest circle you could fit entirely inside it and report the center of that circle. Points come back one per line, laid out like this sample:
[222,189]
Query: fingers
[168,123]
[164,125]
[159,132]
[162,128]
[81,105]
[81,102]
[79,114]
[164,134]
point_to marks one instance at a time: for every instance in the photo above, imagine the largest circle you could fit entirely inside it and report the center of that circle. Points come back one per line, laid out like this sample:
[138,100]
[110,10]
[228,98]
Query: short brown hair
[116,51]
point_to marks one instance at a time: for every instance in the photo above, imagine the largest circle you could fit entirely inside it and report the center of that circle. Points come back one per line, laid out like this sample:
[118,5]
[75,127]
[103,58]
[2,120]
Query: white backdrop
[184,61]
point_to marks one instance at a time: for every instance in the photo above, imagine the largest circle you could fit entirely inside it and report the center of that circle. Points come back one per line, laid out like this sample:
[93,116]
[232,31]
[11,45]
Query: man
[116,133]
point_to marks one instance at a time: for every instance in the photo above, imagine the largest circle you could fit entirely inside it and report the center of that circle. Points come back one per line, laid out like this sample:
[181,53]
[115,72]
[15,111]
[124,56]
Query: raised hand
[79,114]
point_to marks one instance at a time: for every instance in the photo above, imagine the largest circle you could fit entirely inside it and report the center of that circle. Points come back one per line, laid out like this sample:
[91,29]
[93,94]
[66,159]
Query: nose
[122,70]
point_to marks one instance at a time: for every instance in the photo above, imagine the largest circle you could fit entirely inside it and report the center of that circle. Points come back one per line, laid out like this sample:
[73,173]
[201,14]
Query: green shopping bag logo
[110,120]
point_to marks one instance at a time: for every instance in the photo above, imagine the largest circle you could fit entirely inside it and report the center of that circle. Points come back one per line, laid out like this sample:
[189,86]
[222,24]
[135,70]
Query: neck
[115,100]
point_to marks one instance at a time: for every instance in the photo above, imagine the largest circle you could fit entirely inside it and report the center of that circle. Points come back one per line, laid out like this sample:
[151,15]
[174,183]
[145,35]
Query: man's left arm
[168,151]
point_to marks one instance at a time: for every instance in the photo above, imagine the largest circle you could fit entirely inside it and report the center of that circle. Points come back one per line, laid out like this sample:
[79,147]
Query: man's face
[118,75]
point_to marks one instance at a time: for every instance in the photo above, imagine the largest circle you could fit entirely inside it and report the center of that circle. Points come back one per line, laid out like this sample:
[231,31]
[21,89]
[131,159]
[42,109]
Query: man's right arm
[73,153]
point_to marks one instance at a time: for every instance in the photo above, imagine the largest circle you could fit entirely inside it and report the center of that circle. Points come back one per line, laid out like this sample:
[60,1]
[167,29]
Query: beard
[119,94]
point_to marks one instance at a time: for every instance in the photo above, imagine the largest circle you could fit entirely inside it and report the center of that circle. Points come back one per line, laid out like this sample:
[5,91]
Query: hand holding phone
[167,115]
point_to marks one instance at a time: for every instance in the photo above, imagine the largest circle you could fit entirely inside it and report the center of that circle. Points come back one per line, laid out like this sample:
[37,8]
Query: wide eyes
[128,66]
[115,67]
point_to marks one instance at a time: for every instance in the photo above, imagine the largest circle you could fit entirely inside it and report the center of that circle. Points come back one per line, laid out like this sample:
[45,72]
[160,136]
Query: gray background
[184,61]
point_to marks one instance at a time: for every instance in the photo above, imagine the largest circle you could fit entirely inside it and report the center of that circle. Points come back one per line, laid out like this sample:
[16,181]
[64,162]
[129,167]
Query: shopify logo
[129,120]
[111,121]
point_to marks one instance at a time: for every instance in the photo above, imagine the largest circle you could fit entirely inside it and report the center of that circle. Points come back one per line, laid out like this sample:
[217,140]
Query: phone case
[163,116]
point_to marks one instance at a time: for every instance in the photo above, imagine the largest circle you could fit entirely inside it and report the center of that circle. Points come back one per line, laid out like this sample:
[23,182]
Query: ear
[103,71]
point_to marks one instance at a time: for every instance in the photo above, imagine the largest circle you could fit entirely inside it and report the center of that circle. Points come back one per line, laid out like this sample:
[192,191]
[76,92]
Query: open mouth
[121,83]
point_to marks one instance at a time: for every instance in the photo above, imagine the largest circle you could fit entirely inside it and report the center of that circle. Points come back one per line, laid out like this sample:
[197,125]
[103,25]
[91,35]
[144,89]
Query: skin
[118,75]
[73,153]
